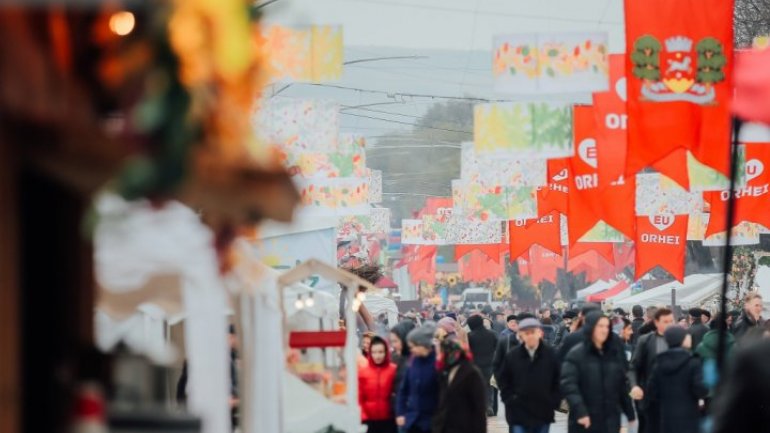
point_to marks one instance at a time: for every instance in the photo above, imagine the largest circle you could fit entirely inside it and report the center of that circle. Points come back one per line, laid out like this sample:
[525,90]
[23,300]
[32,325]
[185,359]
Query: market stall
[661,295]
[596,287]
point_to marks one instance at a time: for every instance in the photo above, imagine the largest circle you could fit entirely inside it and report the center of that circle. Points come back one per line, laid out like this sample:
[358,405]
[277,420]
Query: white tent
[596,287]
[378,304]
[762,281]
[661,295]
[706,290]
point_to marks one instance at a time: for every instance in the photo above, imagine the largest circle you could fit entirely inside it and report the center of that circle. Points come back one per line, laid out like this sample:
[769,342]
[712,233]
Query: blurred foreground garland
[156,108]
[199,88]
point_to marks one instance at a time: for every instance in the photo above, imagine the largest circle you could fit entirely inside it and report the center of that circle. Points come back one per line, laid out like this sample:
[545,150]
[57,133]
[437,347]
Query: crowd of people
[649,372]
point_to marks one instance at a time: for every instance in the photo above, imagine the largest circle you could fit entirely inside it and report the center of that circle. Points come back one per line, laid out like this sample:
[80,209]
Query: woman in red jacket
[375,389]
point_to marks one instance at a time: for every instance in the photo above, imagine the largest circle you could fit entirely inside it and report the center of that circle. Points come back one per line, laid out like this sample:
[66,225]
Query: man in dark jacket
[649,324]
[751,316]
[697,328]
[483,344]
[564,328]
[529,382]
[507,341]
[647,350]
[498,324]
[576,338]
[593,380]
[676,386]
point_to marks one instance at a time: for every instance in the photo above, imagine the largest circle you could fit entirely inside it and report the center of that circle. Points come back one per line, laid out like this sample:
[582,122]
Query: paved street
[498,425]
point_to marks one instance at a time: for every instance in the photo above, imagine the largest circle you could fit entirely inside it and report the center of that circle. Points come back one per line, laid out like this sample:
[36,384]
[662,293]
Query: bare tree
[752,19]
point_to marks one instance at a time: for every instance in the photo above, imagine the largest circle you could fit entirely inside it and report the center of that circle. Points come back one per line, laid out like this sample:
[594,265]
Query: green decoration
[646,58]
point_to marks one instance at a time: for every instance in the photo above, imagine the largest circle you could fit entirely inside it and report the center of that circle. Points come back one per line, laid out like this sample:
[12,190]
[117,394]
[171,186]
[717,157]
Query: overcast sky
[455,36]
[450,24]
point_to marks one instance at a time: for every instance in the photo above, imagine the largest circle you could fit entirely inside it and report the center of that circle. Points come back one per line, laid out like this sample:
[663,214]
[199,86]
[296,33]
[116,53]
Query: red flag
[752,201]
[493,251]
[544,264]
[553,197]
[661,240]
[679,61]
[752,85]
[611,123]
[422,267]
[604,249]
[588,202]
[545,232]
[477,267]
[624,255]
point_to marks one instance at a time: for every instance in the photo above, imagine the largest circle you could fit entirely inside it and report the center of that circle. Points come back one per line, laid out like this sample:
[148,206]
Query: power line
[408,123]
[481,12]
[408,95]
[348,107]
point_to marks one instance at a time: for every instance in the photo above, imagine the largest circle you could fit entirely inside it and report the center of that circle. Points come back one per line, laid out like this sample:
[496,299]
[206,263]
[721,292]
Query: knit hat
[675,336]
[448,324]
[422,336]
[529,324]
[696,313]
[511,317]
[523,316]
[637,311]
[571,314]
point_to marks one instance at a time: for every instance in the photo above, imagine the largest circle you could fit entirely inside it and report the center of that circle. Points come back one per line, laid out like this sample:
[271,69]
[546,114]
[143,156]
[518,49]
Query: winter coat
[463,401]
[742,404]
[530,387]
[401,359]
[594,384]
[673,391]
[643,360]
[561,333]
[483,344]
[569,342]
[504,345]
[709,347]
[697,331]
[647,328]
[418,394]
[636,325]
[375,388]
[744,324]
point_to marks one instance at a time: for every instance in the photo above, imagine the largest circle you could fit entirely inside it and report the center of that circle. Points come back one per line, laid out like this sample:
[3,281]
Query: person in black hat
[564,328]
[697,328]
[637,322]
[676,386]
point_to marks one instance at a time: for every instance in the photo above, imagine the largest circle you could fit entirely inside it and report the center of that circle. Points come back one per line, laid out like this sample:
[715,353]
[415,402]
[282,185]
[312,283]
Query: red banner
[544,232]
[478,267]
[553,197]
[493,251]
[611,123]
[661,240]
[752,202]
[544,265]
[604,249]
[588,202]
[680,59]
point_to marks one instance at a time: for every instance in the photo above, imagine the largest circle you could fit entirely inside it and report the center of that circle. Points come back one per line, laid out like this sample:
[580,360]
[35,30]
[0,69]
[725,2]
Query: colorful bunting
[550,63]
[523,130]
[306,55]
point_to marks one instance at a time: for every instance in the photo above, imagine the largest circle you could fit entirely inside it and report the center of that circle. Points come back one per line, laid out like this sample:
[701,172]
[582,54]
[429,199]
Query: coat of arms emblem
[678,69]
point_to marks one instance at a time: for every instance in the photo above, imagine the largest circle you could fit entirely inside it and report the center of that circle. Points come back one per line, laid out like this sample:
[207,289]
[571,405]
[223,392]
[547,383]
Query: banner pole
[728,257]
